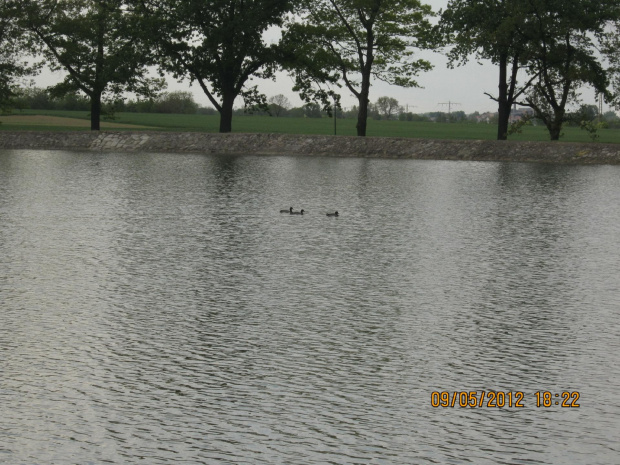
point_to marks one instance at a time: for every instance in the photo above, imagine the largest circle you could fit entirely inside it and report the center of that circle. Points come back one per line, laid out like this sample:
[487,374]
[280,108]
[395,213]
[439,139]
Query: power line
[449,103]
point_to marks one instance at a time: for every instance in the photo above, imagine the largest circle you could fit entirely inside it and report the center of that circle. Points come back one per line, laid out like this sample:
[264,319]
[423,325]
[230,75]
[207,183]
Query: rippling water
[157,308]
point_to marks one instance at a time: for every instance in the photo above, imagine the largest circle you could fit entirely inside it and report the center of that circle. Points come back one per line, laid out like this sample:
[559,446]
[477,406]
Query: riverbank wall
[315,145]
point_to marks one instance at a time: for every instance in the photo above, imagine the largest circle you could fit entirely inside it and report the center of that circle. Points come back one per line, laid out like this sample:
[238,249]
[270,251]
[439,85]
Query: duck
[298,213]
[290,210]
[333,214]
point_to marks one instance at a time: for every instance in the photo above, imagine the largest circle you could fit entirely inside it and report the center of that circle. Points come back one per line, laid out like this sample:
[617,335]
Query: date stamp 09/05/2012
[503,399]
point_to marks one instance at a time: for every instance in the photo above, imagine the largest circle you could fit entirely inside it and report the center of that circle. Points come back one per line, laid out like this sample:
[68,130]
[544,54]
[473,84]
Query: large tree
[610,42]
[354,41]
[95,42]
[565,57]
[387,106]
[278,105]
[217,43]
[12,48]
[493,30]
[544,49]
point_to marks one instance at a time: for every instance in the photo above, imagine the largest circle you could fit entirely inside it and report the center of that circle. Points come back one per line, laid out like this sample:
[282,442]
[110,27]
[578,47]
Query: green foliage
[563,57]
[610,49]
[517,126]
[553,42]
[592,128]
[312,110]
[217,43]
[278,105]
[486,29]
[175,102]
[352,41]
[584,113]
[495,31]
[388,107]
[95,42]
[13,46]
[36,98]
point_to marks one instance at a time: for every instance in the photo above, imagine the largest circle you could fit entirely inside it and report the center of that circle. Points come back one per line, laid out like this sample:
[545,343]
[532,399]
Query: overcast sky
[463,86]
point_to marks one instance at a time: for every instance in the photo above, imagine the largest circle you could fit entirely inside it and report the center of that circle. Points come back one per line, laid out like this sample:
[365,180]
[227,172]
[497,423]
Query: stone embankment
[316,145]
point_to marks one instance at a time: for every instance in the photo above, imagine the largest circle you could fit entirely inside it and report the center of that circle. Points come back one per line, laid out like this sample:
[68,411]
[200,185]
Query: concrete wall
[312,145]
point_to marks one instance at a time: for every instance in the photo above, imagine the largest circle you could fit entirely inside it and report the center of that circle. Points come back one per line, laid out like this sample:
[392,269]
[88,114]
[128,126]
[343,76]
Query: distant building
[485,117]
[517,114]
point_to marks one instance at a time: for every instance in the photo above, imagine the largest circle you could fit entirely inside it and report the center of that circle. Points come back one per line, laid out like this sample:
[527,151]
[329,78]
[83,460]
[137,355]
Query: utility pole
[600,108]
[449,107]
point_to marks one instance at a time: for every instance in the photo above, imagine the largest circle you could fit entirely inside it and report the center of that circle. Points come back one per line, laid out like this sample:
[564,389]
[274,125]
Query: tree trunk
[362,117]
[95,111]
[503,120]
[555,128]
[98,85]
[226,112]
[362,114]
[503,105]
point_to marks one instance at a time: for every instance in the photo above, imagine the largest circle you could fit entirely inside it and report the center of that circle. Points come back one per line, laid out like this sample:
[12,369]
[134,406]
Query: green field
[267,124]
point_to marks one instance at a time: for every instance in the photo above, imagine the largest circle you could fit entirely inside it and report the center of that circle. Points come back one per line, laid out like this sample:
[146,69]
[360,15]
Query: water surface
[157,308]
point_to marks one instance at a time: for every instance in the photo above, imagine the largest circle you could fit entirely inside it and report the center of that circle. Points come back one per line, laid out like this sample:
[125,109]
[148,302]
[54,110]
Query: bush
[176,102]
[206,111]
[36,98]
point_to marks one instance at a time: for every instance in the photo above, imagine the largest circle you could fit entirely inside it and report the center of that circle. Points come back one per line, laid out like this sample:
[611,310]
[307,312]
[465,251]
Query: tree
[610,48]
[217,43]
[564,57]
[32,98]
[39,99]
[95,42]
[297,112]
[387,106]
[457,116]
[491,30]
[312,110]
[553,43]
[12,46]
[585,113]
[176,102]
[354,41]
[610,116]
[278,104]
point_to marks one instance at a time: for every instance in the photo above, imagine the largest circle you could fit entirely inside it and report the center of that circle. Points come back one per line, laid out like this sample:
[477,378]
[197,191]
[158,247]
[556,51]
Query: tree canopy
[387,106]
[354,41]
[95,42]
[550,46]
[12,47]
[492,30]
[545,50]
[278,105]
[218,44]
[565,56]
[610,48]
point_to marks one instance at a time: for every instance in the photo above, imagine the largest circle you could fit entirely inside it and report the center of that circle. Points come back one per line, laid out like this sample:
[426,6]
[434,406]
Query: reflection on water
[158,308]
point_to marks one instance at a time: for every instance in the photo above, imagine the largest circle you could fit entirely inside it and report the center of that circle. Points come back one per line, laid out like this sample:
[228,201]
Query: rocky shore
[315,145]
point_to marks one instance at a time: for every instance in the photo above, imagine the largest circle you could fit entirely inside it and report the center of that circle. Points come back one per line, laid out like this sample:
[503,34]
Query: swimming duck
[290,210]
[333,214]
[298,213]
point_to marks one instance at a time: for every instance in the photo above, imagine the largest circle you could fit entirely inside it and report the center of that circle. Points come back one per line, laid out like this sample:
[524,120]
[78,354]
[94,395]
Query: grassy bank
[266,124]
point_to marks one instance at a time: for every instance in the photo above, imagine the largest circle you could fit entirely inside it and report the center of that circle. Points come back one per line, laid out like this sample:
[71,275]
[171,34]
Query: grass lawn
[267,124]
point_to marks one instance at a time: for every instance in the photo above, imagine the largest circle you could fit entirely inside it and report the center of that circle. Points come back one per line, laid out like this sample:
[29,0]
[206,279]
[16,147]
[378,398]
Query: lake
[159,309]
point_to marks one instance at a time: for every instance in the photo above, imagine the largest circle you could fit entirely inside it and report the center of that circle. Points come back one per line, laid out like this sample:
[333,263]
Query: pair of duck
[301,212]
[290,210]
